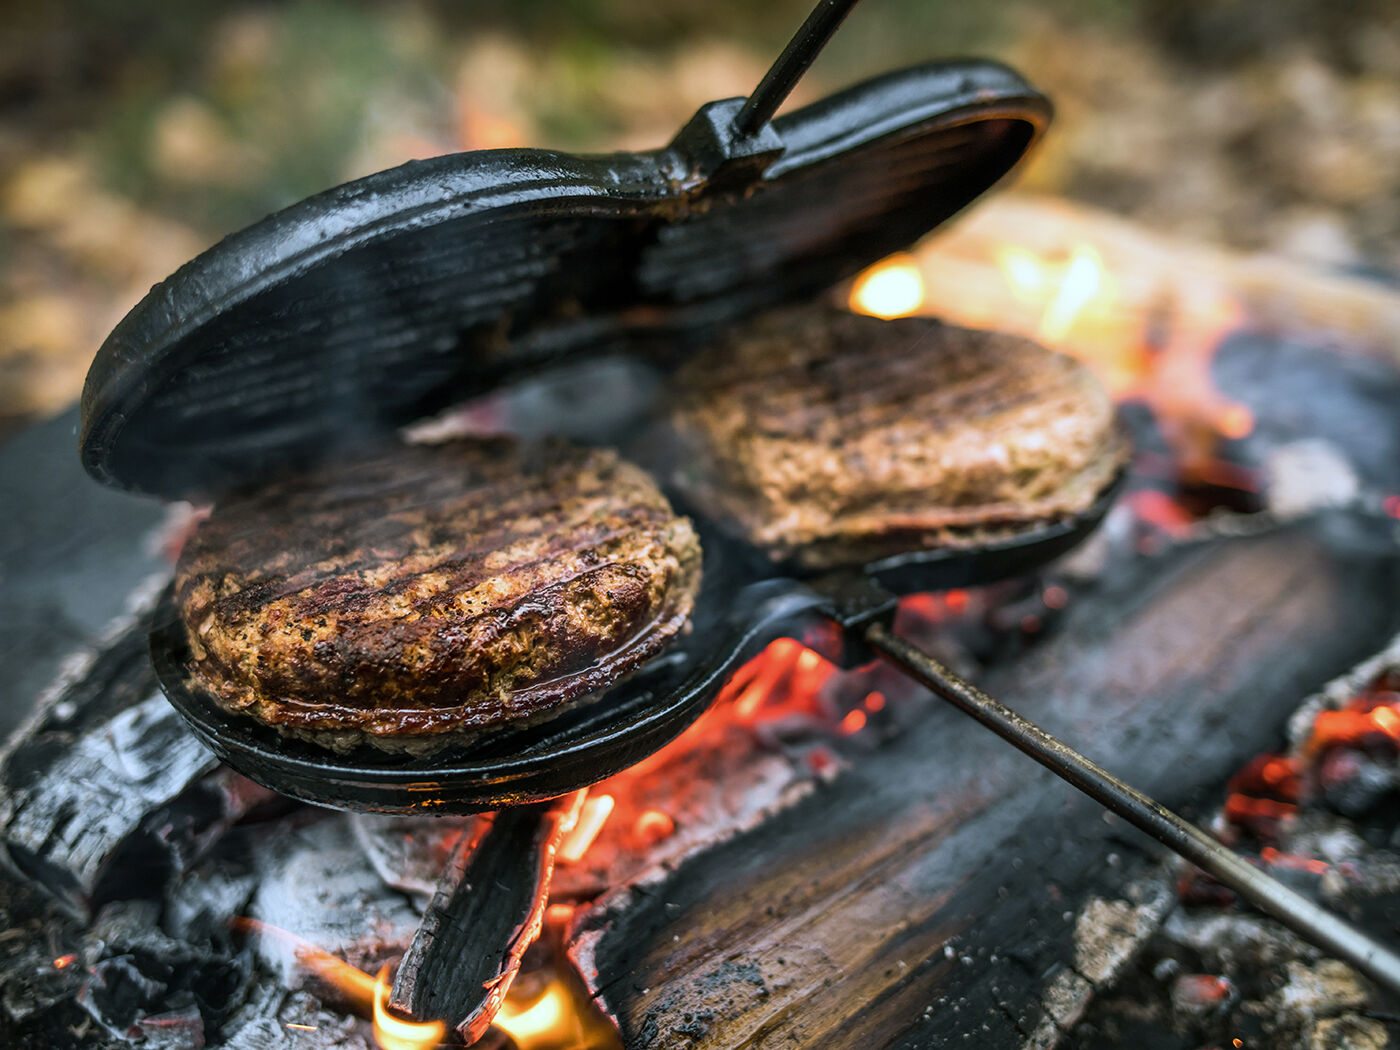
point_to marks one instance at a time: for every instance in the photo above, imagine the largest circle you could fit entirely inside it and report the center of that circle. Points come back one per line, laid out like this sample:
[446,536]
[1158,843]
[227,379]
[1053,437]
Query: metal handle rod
[801,51]
[1266,893]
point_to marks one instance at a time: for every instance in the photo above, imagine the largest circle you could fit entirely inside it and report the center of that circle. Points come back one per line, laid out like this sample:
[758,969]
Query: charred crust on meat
[435,592]
[829,438]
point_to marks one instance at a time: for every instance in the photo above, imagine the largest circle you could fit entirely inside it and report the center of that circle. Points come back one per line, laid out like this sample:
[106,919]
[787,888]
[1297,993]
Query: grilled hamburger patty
[434,592]
[831,438]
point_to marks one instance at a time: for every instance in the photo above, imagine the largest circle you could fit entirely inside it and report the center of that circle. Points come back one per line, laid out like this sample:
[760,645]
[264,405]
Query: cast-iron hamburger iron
[320,330]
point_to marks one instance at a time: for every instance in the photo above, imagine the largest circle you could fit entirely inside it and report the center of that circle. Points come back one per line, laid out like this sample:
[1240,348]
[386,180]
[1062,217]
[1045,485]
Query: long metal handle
[801,51]
[1266,893]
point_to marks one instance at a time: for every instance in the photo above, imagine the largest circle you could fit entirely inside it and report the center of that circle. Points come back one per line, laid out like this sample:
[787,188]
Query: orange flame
[892,287]
[64,961]
[394,1033]
[590,821]
[541,1023]
[652,826]
[365,994]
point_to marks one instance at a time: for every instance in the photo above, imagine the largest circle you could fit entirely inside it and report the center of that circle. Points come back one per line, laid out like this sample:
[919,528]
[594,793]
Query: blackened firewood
[80,783]
[947,892]
[488,907]
[106,793]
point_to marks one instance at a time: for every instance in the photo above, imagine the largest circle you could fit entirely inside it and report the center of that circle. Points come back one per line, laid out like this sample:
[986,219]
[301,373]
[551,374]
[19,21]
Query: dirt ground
[134,135]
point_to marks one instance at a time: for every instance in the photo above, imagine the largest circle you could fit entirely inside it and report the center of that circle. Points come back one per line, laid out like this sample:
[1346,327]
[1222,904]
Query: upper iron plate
[368,306]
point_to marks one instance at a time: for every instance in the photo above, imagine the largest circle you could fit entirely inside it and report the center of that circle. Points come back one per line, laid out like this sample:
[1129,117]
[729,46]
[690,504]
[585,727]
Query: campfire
[828,855]
[788,727]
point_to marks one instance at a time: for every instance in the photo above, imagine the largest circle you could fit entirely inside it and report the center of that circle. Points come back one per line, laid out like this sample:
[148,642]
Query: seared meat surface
[424,596]
[830,438]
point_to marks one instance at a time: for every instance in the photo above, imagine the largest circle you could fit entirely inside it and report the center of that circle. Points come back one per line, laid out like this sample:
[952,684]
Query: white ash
[1303,477]
[1230,942]
[1108,933]
[409,852]
[317,884]
[1325,989]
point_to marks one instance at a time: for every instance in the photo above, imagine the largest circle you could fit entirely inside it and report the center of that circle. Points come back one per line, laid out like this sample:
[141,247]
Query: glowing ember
[1367,718]
[652,826]
[64,961]
[893,287]
[1262,817]
[854,722]
[590,821]
[1273,857]
[1269,791]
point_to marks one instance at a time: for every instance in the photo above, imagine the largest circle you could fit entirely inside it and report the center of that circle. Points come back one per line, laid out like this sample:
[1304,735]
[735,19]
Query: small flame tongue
[546,1021]
[394,1033]
[366,995]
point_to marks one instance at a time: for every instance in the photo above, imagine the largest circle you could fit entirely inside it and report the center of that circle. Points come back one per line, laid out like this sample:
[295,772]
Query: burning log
[492,896]
[951,873]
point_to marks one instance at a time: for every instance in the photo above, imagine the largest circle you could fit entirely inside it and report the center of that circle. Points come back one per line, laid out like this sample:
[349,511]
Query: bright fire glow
[365,994]
[1352,724]
[893,287]
[394,1033]
[590,821]
[1148,331]
[549,1021]
[854,722]
[1083,282]
[652,826]
[64,961]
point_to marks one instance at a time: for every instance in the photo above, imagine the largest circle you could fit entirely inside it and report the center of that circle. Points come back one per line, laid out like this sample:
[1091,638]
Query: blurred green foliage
[284,95]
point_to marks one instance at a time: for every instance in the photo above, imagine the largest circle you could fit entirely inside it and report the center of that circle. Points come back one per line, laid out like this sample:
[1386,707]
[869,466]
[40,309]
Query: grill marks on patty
[832,438]
[435,590]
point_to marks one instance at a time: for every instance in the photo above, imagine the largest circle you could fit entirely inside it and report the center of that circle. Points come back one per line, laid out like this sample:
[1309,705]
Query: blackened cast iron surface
[325,327]
[734,617]
[329,324]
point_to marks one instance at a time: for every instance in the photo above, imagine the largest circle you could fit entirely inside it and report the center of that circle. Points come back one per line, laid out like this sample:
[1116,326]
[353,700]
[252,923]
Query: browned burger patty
[435,592]
[831,438]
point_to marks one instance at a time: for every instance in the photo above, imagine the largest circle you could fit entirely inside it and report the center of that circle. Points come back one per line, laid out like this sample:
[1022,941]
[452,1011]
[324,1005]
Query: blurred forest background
[133,134]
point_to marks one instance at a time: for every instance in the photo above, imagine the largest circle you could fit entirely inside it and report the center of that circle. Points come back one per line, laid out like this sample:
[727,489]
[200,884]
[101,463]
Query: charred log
[82,781]
[106,793]
[488,907]
[949,890]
